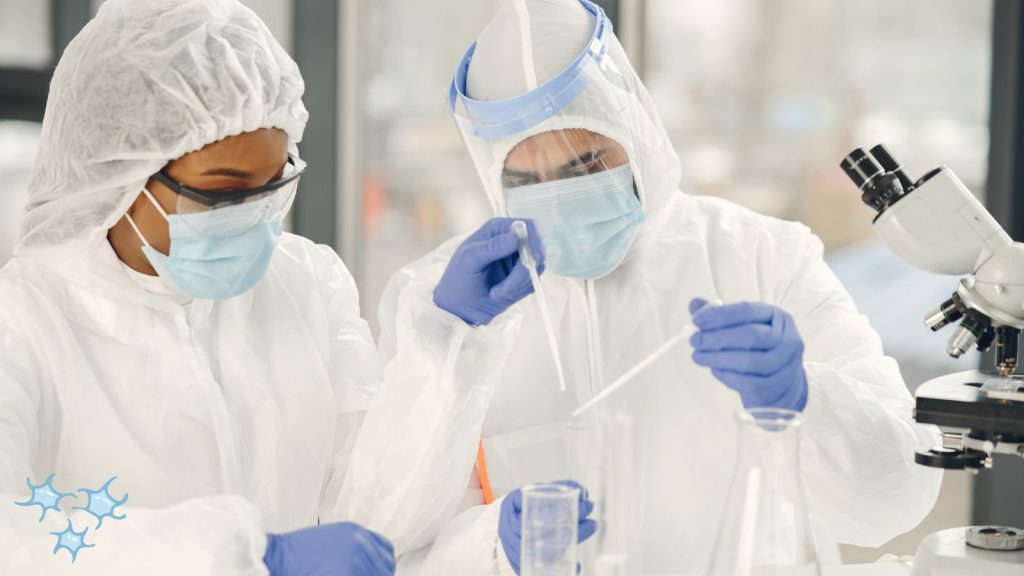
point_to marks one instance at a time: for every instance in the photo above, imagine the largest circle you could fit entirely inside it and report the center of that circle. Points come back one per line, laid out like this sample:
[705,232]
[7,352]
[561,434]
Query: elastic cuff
[271,553]
[502,565]
[440,323]
[813,408]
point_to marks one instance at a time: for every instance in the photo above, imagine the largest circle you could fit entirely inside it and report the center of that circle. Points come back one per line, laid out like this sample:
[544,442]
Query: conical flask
[765,529]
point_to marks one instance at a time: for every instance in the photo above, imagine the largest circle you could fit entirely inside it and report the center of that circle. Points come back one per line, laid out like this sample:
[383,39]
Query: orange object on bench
[481,470]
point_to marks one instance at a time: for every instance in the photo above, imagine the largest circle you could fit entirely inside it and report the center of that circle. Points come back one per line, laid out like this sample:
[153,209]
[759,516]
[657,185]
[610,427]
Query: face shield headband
[501,118]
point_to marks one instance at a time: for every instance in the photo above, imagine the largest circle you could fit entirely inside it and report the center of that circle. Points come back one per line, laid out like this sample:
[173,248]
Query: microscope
[935,224]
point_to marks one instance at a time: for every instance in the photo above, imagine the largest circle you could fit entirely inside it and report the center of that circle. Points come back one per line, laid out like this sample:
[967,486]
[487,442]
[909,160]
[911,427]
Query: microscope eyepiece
[879,187]
[892,166]
[860,167]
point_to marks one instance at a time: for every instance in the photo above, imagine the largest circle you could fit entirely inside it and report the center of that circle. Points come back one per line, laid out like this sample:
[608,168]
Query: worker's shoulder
[24,288]
[722,214]
[299,263]
[718,220]
[299,255]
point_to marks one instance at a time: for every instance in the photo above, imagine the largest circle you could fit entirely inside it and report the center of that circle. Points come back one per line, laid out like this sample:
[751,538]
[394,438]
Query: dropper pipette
[519,227]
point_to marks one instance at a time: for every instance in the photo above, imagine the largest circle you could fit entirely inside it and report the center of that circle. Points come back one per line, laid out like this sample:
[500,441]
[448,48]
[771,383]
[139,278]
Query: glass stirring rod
[519,227]
[626,378]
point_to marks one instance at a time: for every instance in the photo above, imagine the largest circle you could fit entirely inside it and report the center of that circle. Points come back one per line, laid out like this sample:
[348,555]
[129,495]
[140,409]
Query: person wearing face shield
[158,326]
[564,134]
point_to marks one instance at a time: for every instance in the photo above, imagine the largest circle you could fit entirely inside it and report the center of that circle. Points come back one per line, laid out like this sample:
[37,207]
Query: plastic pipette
[621,381]
[519,227]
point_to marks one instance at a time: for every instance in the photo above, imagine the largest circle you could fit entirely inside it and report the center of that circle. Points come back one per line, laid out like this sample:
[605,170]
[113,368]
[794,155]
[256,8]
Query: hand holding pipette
[526,258]
[755,349]
[483,277]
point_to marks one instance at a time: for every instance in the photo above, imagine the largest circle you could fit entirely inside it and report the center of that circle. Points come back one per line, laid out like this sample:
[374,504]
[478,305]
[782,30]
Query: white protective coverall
[221,420]
[858,435]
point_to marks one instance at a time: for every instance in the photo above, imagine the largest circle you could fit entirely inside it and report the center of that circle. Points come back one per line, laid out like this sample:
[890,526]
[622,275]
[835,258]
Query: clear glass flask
[583,462]
[550,530]
[765,529]
[617,525]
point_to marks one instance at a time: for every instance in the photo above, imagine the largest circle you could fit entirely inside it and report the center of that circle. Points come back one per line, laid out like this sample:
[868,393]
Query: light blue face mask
[217,254]
[587,223]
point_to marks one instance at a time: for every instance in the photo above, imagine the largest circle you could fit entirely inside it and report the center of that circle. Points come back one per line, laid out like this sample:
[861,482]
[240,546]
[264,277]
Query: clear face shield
[560,154]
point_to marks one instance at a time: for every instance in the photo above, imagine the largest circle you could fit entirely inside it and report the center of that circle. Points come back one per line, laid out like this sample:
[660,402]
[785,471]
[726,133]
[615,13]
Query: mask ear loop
[132,220]
[156,204]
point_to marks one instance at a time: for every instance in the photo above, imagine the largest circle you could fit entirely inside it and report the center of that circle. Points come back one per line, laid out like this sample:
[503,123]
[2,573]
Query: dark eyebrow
[229,172]
[583,160]
[235,173]
[517,174]
[586,158]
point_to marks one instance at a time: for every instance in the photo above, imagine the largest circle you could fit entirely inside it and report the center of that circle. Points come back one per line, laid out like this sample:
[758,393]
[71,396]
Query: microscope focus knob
[952,458]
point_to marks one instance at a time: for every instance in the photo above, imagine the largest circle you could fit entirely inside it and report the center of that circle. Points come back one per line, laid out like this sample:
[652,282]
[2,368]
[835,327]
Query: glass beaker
[765,529]
[550,526]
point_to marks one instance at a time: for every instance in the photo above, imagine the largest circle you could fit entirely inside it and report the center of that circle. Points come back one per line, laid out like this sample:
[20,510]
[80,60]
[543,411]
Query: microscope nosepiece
[949,312]
[961,341]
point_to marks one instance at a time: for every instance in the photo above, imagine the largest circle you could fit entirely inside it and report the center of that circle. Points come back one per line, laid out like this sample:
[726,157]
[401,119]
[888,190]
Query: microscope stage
[958,401]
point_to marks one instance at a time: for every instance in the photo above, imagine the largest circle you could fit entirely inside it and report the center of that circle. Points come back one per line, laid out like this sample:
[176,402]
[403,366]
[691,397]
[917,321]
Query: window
[25,34]
[419,185]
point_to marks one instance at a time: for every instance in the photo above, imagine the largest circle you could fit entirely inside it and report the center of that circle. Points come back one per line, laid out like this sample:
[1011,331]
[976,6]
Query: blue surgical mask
[586,223]
[217,254]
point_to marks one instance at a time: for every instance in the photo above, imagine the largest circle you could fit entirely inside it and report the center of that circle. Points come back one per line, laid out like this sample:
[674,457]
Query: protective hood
[145,82]
[544,65]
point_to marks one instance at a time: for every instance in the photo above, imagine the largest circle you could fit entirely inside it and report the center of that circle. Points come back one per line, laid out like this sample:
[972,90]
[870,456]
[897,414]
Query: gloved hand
[484,276]
[510,523]
[754,349]
[343,549]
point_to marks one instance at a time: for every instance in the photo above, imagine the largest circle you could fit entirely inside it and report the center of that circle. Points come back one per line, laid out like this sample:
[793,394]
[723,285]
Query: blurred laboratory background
[762,99]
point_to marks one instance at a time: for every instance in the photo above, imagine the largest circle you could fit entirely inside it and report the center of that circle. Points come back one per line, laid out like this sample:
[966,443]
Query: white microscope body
[937,225]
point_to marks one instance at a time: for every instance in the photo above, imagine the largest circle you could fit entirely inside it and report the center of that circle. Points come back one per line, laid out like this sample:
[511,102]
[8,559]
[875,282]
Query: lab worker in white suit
[164,344]
[564,134]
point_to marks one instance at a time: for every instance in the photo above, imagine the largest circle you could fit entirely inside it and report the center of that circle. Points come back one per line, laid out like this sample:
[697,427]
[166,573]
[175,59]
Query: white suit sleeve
[217,536]
[859,435]
[467,543]
[354,368]
[417,446]
[467,546]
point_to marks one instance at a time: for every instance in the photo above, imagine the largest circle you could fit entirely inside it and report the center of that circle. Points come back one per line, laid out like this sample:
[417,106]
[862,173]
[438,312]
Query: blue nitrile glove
[510,524]
[754,349]
[342,549]
[484,276]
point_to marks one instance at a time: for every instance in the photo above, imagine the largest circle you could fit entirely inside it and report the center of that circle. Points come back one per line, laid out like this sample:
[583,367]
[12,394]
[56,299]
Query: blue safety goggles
[500,118]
